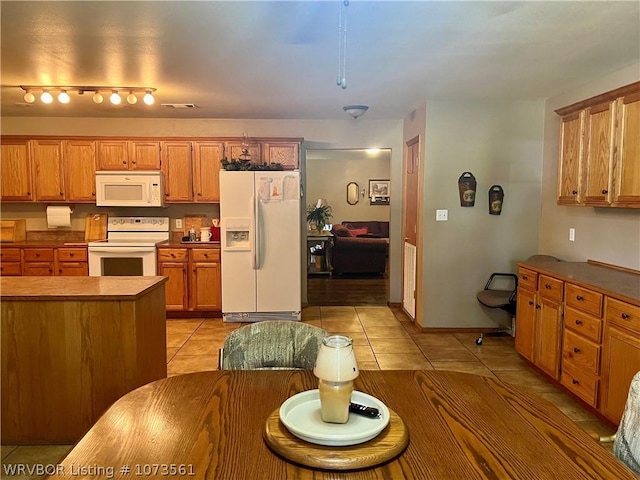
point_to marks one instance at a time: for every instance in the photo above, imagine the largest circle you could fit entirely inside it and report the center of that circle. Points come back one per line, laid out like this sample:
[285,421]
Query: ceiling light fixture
[355,110]
[63,97]
[64,90]
[115,98]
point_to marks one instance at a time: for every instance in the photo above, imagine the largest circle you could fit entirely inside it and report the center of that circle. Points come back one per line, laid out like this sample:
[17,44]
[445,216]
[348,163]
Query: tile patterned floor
[383,338]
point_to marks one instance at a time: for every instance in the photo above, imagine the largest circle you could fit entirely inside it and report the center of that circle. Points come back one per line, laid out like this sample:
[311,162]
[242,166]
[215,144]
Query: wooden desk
[460,426]
[71,346]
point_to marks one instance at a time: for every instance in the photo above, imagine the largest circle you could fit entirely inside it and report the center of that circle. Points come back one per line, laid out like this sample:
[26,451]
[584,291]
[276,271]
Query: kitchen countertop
[76,288]
[620,284]
[176,244]
[43,244]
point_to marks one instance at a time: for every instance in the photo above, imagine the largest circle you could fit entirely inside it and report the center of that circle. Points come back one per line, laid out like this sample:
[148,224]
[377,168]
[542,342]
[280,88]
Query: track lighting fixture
[63,93]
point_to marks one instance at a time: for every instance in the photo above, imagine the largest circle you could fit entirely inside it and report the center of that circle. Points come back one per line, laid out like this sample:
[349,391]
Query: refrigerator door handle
[253,234]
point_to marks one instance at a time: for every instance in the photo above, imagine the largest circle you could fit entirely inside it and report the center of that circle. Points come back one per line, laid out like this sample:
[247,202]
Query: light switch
[178,223]
[572,234]
[442,215]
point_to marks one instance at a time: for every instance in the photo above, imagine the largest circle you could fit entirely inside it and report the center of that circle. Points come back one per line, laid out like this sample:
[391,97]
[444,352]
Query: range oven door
[122,261]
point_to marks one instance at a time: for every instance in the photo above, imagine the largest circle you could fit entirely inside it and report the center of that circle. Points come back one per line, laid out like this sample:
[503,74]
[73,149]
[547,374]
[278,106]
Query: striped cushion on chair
[627,443]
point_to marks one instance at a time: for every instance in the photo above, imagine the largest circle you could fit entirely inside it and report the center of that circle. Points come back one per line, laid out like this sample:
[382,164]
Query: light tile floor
[383,338]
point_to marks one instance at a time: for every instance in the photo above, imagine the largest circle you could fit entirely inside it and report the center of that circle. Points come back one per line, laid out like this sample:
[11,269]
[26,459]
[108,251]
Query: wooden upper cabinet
[233,150]
[599,153]
[627,174]
[128,155]
[206,170]
[80,170]
[286,154]
[15,181]
[570,161]
[48,179]
[144,155]
[112,155]
[176,166]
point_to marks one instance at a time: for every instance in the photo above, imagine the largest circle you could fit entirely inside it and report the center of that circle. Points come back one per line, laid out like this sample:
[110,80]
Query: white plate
[301,415]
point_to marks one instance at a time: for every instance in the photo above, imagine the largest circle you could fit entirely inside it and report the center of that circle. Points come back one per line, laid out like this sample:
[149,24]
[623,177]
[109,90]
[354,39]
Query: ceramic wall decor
[467,189]
[496,198]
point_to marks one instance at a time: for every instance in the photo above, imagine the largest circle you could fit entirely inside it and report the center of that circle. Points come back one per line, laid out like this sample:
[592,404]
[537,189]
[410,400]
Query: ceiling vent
[179,105]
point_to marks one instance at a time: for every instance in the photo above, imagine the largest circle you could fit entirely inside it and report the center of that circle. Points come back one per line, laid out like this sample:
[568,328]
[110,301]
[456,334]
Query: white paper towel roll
[58,217]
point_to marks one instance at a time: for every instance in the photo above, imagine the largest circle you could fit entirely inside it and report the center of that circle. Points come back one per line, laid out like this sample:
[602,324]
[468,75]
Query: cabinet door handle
[575,382]
[576,350]
[604,192]
[530,302]
[579,298]
[124,162]
[547,286]
[524,277]
[538,306]
[625,316]
[578,322]
[574,192]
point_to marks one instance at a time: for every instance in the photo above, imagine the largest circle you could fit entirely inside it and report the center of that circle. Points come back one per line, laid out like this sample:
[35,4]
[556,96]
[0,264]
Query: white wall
[318,134]
[610,235]
[500,143]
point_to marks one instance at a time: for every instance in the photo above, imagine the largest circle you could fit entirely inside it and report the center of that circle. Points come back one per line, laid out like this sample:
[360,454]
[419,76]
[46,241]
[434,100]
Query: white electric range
[130,247]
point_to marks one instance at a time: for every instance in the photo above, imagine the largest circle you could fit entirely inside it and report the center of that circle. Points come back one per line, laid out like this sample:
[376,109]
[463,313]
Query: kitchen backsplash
[36,218]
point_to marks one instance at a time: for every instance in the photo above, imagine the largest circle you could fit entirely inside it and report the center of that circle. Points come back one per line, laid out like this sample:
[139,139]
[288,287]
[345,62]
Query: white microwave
[129,189]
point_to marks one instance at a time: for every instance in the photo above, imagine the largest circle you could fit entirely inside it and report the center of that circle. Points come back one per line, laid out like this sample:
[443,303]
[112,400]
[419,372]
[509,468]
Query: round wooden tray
[387,445]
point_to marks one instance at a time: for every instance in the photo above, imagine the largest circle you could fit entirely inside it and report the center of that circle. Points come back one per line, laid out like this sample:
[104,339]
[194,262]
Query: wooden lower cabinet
[10,262]
[539,330]
[72,262]
[38,262]
[194,278]
[587,340]
[620,355]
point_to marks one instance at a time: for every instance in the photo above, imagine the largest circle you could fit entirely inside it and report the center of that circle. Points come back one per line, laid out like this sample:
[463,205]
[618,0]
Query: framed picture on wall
[379,192]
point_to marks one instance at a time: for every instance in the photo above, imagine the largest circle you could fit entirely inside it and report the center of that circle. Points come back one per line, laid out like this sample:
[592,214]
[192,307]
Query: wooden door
[176,166]
[112,155]
[410,202]
[15,181]
[144,155]
[205,286]
[599,153]
[525,323]
[46,157]
[570,161]
[80,170]
[628,162]
[549,335]
[620,362]
[206,170]
[176,286]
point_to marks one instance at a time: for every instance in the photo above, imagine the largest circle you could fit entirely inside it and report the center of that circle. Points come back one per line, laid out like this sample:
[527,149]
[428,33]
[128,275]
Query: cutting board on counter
[13,230]
[95,227]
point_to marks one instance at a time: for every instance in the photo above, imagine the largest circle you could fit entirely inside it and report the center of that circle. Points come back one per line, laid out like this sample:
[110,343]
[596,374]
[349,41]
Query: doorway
[343,178]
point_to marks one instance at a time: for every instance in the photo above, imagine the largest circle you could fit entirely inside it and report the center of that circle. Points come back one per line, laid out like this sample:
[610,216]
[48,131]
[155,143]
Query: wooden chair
[272,344]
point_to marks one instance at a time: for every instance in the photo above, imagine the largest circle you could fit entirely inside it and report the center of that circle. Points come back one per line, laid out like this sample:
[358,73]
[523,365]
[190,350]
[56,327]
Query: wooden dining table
[211,425]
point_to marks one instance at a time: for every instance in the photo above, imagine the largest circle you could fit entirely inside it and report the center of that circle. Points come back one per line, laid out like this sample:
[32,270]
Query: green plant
[319,216]
[239,165]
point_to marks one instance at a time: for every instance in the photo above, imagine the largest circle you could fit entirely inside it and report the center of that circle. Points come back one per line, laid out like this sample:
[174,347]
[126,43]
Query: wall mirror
[353,192]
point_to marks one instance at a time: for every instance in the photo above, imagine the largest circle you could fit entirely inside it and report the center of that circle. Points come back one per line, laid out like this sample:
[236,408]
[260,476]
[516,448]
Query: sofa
[358,251]
[376,229]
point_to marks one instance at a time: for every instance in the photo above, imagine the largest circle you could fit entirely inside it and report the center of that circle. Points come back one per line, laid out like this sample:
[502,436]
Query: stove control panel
[138,224]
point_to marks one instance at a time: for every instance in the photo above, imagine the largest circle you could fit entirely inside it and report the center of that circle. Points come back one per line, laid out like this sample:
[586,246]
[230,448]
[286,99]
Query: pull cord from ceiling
[341,79]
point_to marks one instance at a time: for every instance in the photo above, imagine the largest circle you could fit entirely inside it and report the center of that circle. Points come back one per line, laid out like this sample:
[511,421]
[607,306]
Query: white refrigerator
[260,244]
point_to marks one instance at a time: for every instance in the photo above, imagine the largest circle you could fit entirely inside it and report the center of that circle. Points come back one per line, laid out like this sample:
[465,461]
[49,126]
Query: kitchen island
[71,346]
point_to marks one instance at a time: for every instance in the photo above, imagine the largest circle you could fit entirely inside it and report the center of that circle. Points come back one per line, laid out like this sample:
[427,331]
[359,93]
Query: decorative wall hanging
[379,192]
[467,189]
[496,196]
[353,193]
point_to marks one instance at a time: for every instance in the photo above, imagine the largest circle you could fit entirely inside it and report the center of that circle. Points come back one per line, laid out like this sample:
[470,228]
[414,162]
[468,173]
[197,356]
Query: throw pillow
[341,231]
[358,231]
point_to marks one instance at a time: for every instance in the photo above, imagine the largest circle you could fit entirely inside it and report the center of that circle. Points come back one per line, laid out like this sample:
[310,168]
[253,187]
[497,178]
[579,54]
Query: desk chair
[505,299]
[272,345]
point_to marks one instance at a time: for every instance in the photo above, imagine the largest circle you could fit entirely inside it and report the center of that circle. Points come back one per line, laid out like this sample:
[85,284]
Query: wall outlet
[572,234]
[442,215]
[178,223]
